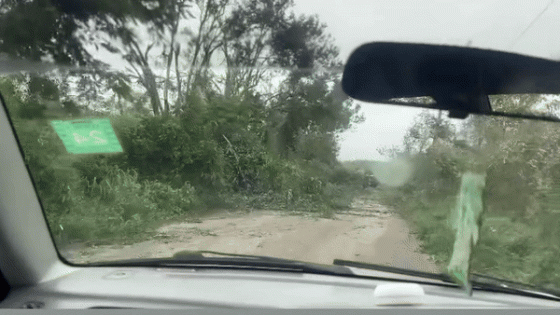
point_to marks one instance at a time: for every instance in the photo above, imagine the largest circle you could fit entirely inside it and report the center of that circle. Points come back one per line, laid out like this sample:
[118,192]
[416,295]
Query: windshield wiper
[203,260]
[477,281]
[217,260]
[489,283]
[413,273]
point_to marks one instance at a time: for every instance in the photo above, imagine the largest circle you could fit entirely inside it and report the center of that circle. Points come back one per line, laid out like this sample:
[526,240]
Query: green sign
[87,136]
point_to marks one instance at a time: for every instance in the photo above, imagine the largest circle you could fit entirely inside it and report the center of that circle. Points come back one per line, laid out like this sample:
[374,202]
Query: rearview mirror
[458,79]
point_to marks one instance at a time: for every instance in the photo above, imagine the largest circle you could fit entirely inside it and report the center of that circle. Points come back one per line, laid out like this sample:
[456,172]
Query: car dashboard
[177,288]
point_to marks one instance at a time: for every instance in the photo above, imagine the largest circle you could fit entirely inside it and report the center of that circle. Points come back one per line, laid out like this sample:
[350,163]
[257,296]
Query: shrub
[170,201]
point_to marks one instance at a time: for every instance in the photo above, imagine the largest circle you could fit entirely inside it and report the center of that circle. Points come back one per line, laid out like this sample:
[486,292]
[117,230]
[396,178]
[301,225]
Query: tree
[36,30]
[302,43]
[248,39]
[310,104]
[134,37]
[426,131]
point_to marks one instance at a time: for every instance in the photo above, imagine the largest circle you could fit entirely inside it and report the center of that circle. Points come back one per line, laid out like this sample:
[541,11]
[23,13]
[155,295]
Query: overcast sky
[528,27]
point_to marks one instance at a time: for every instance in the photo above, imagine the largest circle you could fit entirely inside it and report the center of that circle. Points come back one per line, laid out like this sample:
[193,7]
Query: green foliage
[518,103]
[18,105]
[427,127]
[508,191]
[174,201]
[311,144]
[302,42]
[121,206]
[44,25]
[520,226]
[55,182]
[43,88]
[310,106]
[101,196]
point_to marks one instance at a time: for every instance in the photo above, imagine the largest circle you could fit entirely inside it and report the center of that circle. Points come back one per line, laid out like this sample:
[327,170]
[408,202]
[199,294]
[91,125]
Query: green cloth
[466,220]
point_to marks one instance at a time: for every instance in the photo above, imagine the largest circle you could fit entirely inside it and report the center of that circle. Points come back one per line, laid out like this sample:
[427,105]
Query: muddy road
[368,232]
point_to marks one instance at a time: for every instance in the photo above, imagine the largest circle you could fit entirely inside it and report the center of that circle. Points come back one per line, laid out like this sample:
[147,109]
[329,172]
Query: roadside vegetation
[180,167]
[261,135]
[520,225]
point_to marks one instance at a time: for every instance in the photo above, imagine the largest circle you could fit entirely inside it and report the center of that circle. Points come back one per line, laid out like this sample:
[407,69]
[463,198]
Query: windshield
[155,127]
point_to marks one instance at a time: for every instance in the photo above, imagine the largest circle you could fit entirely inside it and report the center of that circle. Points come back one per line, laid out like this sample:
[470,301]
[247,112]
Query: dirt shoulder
[369,232]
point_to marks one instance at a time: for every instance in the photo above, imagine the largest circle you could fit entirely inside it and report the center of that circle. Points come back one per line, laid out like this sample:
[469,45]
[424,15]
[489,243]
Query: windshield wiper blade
[200,260]
[489,283]
[414,273]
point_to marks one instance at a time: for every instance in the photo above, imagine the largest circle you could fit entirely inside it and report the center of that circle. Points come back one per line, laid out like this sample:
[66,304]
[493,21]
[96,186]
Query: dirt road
[369,232]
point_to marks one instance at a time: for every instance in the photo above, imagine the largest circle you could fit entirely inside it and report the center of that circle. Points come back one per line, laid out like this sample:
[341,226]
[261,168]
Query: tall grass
[119,206]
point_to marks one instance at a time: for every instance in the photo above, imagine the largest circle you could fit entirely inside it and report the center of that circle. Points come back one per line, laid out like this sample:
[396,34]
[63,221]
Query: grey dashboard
[153,288]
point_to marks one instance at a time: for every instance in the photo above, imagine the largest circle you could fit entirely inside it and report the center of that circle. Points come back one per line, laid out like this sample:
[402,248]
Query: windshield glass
[154,127]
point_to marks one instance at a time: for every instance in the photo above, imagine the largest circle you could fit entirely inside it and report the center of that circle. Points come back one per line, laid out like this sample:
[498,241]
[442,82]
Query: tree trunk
[151,86]
[178,104]
[169,63]
[166,88]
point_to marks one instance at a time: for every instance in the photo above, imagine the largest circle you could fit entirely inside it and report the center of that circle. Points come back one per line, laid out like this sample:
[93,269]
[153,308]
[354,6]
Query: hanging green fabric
[466,219]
